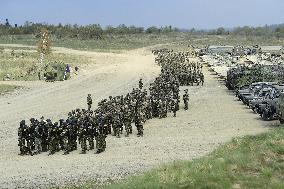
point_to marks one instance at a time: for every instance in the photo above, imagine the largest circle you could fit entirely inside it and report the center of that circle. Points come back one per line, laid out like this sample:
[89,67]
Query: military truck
[280,108]
[268,110]
[55,71]
[273,93]
[255,90]
[271,108]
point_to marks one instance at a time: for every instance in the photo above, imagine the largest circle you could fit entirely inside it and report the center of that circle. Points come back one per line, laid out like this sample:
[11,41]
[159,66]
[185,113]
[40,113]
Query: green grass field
[7,88]
[248,162]
[127,42]
[108,44]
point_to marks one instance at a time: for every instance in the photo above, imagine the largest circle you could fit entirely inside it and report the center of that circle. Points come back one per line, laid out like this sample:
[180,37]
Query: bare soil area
[214,117]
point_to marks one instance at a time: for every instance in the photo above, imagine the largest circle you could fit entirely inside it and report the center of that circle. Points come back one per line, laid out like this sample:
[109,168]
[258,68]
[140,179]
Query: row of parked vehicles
[265,99]
[246,69]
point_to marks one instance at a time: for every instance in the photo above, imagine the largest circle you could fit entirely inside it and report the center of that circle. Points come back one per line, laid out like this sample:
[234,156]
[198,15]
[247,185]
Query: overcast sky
[201,14]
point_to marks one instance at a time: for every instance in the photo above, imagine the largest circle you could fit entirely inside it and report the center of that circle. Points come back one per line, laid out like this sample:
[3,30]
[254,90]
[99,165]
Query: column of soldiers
[115,115]
[188,72]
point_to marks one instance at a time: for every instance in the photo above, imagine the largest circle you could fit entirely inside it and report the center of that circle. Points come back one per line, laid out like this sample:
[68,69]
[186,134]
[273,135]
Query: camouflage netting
[241,76]
[54,71]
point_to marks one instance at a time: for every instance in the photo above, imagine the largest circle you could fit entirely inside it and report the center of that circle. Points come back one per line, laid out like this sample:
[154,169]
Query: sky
[186,14]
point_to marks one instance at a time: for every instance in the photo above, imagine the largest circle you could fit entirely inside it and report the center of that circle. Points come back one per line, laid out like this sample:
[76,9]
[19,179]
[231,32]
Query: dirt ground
[214,117]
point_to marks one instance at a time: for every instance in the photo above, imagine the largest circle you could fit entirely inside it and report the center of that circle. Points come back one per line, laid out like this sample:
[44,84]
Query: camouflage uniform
[174,107]
[90,136]
[38,137]
[160,109]
[100,134]
[138,123]
[116,124]
[22,137]
[44,140]
[60,135]
[53,138]
[31,136]
[66,136]
[140,84]
[127,120]
[89,101]
[83,137]
[185,100]
[201,76]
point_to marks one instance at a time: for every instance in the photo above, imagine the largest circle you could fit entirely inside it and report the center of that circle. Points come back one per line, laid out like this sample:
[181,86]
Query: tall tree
[44,46]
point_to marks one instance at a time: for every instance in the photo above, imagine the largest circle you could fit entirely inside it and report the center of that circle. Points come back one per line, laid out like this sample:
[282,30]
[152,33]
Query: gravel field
[214,117]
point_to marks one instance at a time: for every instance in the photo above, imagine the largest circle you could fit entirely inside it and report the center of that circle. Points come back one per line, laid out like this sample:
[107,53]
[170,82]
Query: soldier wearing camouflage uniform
[83,137]
[174,107]
[91,135]
[185,99]
[38,137]
[201,76]
[89,101]
[127,119]
[22,137]
[116,113]
[140,84]
[138,123]
[53,138]
[100,134]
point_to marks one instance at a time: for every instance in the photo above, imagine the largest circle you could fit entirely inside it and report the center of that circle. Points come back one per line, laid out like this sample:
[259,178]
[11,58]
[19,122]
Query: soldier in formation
[188,72]
[89,128]
[81,126]
[185,99]
[89,102]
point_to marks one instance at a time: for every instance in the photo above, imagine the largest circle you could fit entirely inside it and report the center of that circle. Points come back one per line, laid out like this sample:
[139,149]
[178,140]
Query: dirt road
[214,117]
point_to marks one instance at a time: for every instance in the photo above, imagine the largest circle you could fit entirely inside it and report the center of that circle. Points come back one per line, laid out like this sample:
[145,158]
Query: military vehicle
[257,103]
[55,71]
[233,76]
[259,93]
[268,110]
[255,90]
[280,108]
[263,95]
[267,107]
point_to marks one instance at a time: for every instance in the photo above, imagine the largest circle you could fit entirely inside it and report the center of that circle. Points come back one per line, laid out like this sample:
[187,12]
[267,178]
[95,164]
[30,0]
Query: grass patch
[248,162]
[24,65]
[127,42]
[7,88]
[107,44]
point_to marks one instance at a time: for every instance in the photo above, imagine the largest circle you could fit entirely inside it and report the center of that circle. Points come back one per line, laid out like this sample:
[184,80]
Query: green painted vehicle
[55,71]
[280,108]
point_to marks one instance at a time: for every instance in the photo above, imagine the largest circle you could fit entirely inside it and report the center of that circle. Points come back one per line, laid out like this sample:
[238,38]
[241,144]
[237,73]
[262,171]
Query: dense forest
[96,31]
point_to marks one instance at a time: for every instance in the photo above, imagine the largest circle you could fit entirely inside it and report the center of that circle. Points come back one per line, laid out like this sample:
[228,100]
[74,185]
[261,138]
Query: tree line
[92,31]
[96,31]
[273,30]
